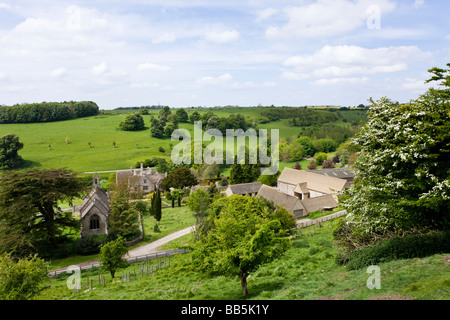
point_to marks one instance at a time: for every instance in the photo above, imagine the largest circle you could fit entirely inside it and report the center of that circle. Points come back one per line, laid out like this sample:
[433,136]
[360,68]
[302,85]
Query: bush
[327,164]
[133,122]
[312,165]
[320,157]
[399,248]
[90,245]
[20,280]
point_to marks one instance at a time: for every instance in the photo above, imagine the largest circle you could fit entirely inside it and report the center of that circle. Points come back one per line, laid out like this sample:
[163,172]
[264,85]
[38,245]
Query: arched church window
[95,222]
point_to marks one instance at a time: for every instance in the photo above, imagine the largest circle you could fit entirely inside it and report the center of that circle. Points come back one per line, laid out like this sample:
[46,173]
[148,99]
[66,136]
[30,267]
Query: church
[94,211]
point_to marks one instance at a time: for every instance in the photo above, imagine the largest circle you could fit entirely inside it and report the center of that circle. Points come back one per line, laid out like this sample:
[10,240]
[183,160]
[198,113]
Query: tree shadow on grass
[28,164]
[269,286]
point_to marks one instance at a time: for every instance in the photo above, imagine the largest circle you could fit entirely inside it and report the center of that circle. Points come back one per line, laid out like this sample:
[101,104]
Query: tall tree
[156,206]
[182,115]
[111,256]
[156,127]
[123,218]
[244,234]
[195,116]
[29,209]
[9,147]
[402,182]
[164,115]
[244,173]
[198,203]
[178,179]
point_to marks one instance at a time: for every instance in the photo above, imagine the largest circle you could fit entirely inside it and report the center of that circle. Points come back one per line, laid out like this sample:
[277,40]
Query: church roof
[96,197]
[245,188]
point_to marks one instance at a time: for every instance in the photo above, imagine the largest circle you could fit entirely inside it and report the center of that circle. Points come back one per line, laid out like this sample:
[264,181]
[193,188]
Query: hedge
[418,246]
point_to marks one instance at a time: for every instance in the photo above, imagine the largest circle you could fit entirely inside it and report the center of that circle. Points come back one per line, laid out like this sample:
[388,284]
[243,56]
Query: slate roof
[122,176]
[340,173]
[245,188]
[96,197]
[154,177]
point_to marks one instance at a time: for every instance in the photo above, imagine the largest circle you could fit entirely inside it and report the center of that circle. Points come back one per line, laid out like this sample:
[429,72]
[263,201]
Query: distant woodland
[47,111]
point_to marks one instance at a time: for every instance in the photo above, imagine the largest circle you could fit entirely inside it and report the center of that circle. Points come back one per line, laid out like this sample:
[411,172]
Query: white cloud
[73,31]
[4,5]
[58,73]
[265,14]
[3,76]
[416,85]
[99,69]
[350,61]
[223,36]
[153,67]
[327,18]
[220,80]
[102,69]
[144,85]
[419,3]
[166,37]
[334,81]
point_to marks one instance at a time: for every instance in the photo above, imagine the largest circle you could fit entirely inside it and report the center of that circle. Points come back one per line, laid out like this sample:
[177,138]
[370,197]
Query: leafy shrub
[312,165]
[20,280]
[327,164]
[399,248]
[300,244]
[133,122]
[90,245]
[320,157]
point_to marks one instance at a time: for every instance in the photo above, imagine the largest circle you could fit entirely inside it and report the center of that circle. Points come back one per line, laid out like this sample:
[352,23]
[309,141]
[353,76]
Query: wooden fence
[156,255]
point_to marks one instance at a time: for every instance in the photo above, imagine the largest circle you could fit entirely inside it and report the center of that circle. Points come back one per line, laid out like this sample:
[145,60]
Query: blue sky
[216,53]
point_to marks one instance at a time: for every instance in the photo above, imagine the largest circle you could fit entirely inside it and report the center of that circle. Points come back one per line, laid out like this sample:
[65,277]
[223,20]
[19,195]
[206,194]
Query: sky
[217,53]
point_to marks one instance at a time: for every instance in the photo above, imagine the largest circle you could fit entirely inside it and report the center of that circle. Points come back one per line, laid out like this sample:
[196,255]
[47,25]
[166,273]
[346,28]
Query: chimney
[142,168]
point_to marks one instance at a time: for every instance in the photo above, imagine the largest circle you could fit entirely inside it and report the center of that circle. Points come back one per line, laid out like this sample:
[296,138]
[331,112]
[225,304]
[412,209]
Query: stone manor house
[141,180]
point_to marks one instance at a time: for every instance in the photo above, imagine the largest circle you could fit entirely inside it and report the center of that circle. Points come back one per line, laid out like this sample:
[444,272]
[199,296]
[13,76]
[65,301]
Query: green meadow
[307,271]
[100,131]
[86,144]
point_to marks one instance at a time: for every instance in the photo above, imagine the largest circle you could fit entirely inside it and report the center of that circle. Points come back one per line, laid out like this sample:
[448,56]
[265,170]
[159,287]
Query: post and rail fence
[150,256]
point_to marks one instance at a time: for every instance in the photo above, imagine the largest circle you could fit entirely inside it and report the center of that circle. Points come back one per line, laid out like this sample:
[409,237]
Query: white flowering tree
[402,183]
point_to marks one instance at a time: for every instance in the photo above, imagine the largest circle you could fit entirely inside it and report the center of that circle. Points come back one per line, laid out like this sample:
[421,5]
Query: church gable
[94,211]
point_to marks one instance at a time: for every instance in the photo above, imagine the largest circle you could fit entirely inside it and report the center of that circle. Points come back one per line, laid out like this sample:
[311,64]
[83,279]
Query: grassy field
[306,272]
[100,131]
[45,143]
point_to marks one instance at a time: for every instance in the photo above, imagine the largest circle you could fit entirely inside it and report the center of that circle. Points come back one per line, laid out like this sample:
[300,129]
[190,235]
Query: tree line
[47,111]
[168,121]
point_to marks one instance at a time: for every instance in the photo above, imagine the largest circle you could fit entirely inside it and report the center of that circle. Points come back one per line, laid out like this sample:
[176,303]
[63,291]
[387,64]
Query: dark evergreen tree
[9,147]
